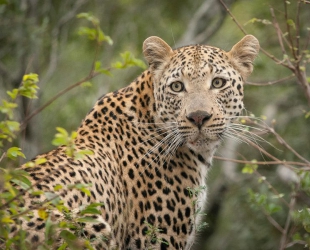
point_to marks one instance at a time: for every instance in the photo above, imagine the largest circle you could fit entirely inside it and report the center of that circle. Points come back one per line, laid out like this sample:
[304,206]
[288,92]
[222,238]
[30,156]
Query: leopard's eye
[218,83]
[177,86]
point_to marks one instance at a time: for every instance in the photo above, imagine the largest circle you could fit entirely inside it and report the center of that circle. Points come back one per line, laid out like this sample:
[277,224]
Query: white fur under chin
[202,197]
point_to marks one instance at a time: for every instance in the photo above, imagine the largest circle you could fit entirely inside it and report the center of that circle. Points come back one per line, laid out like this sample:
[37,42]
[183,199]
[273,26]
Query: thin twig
[244,32]
[271,82]
[90,76]
[287,223]
[64,91]
[264,163]
[273,221]
[280,38]
[288,29]
[298,32]
[233,18]
[284,143]
[272,188]
[278,30]
[2,156]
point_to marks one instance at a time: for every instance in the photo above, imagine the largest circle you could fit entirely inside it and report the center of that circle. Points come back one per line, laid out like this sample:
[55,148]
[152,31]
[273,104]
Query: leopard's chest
[166,196]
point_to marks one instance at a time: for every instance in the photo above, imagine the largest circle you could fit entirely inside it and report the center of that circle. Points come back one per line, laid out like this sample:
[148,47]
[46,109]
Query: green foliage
[7,108]
[152,233]
[93,33]
[14,152]
[28,88]
[14,183]
[193,194]
[250,168]
[254,20]
[305,181]
[63,138]
[128,60]
[9,126]
[265,202]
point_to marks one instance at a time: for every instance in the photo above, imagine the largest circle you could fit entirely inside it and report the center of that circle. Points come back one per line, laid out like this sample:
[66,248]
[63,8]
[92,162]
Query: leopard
[152,144]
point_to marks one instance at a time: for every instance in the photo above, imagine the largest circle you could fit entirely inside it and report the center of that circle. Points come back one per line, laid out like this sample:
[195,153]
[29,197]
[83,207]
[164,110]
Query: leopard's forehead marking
[199,62]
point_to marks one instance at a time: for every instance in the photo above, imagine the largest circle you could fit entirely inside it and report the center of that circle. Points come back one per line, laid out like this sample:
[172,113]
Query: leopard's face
[198,92]
[198,95]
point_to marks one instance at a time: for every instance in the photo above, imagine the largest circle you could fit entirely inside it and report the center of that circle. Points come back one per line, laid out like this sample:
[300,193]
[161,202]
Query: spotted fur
[153,142]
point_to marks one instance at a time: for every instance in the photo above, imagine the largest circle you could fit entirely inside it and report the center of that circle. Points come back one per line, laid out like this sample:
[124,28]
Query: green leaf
[57,187]
[272,208]
[250,168]
[256,20]
[13,126]
[89,17]
[105,38]
[82,187]
[40,160]
[42,213]
[105,72]
[13,94]
[88,219]
[90,210]
[86,84]
[291,23]
[22,181]
[36,192]
[8,129]
[128,61]
[97,65]
[90,33]
[68,237]
[63,246]
[7,108]
[6,220]
[62,137]
[14,152]
[86,191]
[49,231]
[29,86]
[81,153]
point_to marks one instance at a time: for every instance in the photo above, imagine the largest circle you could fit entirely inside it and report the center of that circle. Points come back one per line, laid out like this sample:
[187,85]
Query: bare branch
[287,223]
[288,29]
[64,91]
[233,18]
[284,143]
[282,80]
[273,222]
[280,37]
[272,188]
[2,156]
[298,32]
[244,32]
[265,163]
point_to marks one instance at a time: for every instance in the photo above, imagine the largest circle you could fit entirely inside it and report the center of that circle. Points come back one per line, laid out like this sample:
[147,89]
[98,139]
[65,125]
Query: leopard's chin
[205,144]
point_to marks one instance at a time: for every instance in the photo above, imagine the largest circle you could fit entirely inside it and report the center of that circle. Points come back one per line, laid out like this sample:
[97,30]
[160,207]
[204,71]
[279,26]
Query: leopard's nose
[199,118]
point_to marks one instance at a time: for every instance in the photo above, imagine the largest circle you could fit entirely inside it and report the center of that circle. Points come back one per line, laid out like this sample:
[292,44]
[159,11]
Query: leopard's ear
[156,51]
[243,54]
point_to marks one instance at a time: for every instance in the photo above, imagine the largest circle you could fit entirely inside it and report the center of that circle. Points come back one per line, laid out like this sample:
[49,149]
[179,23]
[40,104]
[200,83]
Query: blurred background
[41,37]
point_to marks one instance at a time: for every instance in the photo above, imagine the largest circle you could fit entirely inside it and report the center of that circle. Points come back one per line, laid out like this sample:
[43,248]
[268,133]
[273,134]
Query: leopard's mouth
[200,142]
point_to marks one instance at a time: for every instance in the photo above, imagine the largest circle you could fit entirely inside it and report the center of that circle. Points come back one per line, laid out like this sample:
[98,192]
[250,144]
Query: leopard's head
[198,89]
